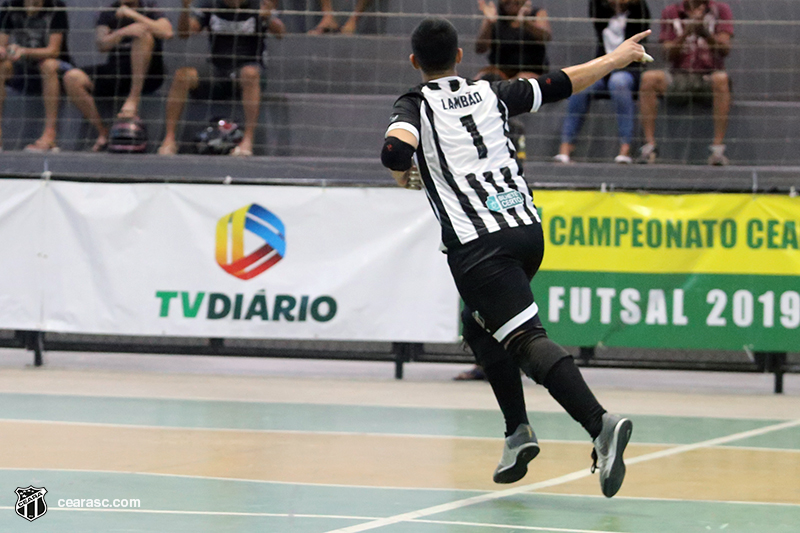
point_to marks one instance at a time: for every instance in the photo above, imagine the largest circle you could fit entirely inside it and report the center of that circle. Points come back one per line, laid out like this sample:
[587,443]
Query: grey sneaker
[647,154]
[607,454]
[519,450]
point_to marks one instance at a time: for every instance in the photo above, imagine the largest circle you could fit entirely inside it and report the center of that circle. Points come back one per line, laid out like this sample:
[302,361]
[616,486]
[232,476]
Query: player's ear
[413,60]
[459,55]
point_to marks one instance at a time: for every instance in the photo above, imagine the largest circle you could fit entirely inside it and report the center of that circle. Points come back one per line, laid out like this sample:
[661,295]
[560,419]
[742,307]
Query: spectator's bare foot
[240,151]
[350,26]
[45,143]
[100,144]
[168,148]
[328,24]
[130,109]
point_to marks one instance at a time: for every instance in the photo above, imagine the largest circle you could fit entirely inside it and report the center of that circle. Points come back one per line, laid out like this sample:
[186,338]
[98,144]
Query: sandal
[42,147]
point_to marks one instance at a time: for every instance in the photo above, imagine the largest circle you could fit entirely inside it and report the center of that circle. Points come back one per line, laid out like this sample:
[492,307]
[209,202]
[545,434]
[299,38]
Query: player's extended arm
[398,151]
[585,75]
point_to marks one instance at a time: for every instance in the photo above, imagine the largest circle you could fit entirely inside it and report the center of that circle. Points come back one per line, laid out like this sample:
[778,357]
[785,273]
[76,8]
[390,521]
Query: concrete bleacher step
[335,125]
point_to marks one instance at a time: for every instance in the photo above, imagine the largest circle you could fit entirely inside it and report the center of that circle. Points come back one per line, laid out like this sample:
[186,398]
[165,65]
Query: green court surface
[199,504]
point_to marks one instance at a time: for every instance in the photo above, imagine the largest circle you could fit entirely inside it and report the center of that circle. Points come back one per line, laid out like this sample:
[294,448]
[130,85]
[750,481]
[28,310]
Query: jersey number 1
[477,139]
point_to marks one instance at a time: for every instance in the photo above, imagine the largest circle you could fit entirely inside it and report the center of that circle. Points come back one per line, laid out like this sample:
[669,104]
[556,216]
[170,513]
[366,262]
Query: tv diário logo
[249,241]
[242,227]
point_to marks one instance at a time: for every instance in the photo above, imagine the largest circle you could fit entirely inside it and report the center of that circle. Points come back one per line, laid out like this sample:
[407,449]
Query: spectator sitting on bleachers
[236,31]
[697,38]
[33,53]
[614,22]
[328,23]
[516,46]
[131,31]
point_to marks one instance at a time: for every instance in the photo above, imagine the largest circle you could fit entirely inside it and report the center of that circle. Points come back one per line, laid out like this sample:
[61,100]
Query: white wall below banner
[223,261]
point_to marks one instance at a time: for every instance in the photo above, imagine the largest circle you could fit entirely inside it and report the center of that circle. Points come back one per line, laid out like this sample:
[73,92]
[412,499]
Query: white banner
[21,223]
[226,261]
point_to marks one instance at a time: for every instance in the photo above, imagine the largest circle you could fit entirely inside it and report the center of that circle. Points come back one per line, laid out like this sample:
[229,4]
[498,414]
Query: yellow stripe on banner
[653,233]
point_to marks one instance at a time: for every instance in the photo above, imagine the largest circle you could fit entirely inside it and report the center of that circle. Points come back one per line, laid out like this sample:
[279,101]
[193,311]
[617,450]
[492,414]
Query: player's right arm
[587,74]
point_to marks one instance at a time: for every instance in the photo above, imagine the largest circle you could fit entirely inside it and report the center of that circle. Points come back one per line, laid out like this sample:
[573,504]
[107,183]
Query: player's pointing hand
[632,51]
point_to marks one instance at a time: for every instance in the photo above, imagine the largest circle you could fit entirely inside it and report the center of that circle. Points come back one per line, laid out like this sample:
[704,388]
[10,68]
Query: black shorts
[114,79]
[27,78]
[219,84]
[493,275]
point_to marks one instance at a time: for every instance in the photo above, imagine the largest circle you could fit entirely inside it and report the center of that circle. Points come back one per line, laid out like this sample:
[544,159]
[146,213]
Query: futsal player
[458,130]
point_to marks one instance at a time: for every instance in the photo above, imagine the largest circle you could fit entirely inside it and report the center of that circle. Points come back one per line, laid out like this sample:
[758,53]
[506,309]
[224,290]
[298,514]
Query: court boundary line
[321,516]
[116,425]
[370,487]
[580,474]
[555,410]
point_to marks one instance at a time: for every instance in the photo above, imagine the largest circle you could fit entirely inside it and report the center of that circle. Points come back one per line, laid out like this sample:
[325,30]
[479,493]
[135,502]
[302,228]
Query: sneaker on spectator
[623,160]
[520,449]
[647,154]
[717,157]
[561,158]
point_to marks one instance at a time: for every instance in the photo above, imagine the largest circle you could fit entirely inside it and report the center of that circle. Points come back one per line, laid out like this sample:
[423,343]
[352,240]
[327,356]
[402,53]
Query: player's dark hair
[435,45]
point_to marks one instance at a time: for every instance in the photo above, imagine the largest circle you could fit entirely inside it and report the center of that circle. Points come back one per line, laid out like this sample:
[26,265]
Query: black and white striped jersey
[465,156]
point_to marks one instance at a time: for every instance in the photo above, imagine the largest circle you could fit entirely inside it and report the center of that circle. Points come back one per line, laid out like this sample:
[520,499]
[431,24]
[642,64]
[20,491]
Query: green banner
[666,271]
[704,311]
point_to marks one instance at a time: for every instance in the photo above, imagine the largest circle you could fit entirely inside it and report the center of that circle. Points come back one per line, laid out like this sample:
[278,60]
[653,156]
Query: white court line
[458,504]
[320,516]
[507,527]
[204,513]
[117,425]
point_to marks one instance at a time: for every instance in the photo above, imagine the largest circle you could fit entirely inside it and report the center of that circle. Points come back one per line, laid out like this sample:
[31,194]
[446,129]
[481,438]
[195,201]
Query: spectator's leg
[51,96]
[654,83]
[141,53]
[620,85]
[185,80]
[6,71]
[328,22]
[352,23]
[250,79]
[577,107]
[79,88]
[722,104]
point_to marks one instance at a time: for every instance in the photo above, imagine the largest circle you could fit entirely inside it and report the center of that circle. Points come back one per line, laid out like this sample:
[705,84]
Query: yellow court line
[458,504]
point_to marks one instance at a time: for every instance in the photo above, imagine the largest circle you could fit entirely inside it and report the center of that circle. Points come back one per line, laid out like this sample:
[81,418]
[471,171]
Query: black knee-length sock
[565,383]
[504,377]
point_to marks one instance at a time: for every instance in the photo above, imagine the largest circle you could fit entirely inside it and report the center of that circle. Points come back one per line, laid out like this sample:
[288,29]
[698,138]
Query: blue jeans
[620,84]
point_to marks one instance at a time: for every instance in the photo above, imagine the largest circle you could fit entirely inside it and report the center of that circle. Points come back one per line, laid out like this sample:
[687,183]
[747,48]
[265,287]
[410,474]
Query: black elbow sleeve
[555,86]
[397,154]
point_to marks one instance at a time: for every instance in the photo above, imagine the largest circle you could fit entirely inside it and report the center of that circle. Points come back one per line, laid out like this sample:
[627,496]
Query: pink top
[696,55]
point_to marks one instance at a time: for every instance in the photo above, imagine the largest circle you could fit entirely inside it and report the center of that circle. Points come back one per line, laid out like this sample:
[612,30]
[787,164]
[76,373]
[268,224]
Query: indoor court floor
[212,445]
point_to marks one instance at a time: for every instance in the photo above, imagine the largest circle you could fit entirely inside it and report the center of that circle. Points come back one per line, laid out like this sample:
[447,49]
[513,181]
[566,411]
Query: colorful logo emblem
[30,502]
[258,222]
